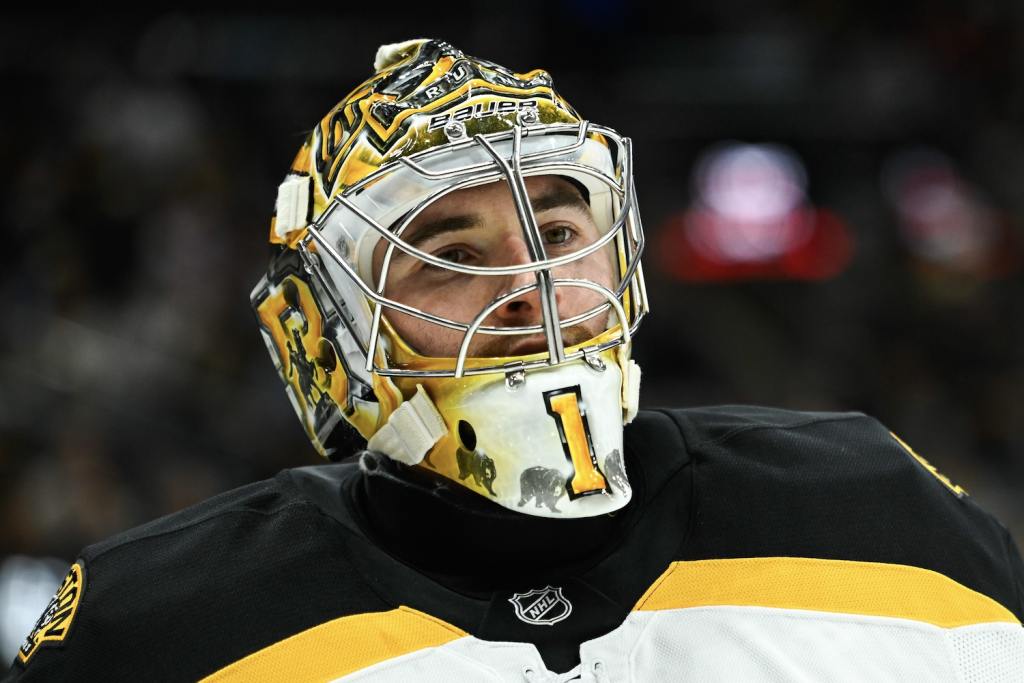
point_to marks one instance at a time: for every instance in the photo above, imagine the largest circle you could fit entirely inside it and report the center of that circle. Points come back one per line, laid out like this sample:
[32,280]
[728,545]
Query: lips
[529,346]
[536,343]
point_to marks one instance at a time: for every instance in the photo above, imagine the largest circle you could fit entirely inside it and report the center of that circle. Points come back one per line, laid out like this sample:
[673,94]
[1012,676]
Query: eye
[559,234]
[454,255]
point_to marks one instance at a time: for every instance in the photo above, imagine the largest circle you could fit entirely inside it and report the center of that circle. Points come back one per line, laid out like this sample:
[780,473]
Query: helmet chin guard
[539,432]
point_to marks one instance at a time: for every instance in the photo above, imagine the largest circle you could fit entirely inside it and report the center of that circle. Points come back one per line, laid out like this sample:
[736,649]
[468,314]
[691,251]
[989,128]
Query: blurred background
[832,194]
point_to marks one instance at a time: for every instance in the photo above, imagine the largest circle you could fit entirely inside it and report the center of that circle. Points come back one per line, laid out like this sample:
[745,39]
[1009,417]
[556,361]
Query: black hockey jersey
[760,544]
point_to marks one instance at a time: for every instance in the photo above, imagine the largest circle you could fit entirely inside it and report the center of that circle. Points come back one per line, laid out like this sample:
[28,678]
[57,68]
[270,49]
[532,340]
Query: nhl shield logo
[541,607]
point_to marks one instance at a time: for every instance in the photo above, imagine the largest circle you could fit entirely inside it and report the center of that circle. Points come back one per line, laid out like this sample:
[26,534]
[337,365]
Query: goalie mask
[459,279]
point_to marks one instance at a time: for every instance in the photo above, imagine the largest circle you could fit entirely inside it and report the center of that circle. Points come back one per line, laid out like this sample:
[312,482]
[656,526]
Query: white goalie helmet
[492,348]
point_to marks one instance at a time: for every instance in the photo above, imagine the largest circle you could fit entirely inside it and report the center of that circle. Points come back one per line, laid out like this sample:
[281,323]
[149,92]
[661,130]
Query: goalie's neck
[468,542]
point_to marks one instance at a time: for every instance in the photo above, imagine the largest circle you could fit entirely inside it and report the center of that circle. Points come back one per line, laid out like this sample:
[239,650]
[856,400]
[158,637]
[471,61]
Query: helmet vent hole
[291,294]
[326,358]
[467,435]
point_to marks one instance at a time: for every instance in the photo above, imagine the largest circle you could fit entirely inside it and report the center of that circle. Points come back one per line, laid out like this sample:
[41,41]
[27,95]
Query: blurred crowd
[831,195]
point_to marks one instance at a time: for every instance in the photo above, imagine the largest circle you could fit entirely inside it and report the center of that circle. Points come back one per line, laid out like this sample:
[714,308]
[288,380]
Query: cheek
[458,301]
[425,337]
[598,268]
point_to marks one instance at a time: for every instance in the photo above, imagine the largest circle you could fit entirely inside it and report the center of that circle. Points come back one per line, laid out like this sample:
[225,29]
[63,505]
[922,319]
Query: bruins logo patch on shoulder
[56,620]
[957,490]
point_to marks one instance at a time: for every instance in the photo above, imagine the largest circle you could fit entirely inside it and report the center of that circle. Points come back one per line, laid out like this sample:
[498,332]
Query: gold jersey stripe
[340,646]
[843,586]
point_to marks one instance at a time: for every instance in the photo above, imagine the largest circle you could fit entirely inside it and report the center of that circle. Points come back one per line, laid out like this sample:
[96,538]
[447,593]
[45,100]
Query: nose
[524,309]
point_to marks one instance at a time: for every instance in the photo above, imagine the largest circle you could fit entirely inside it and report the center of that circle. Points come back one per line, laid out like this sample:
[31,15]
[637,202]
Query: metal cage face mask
[340,246]
[535,426]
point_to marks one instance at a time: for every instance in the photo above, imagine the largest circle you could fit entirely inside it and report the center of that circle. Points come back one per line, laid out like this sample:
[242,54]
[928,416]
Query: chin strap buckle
[411,431]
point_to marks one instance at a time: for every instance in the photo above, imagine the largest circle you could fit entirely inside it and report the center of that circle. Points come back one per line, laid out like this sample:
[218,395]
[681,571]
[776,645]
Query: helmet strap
[630,387]
[411,431]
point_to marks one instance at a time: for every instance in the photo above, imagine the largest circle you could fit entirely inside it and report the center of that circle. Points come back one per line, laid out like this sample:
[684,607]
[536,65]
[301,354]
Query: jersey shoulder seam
[354,533]
[755,426]
[188,525]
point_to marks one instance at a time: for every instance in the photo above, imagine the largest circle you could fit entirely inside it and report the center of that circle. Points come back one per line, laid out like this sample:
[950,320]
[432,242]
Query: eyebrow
[559,197]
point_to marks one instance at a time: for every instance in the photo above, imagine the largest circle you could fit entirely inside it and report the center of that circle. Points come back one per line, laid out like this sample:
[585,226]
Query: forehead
[545,192]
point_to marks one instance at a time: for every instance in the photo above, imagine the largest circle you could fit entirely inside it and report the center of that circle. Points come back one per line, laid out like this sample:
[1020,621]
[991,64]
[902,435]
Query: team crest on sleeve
[541,607]
[55,623]
[957,490]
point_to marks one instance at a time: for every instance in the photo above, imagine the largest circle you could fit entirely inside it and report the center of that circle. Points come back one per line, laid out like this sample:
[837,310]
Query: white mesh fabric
[761,644]
[742,644]
[988,654]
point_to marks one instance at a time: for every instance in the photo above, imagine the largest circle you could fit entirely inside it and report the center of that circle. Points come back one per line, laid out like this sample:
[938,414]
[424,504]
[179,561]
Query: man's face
[479,226]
